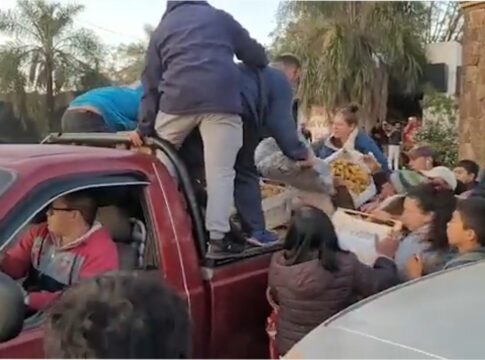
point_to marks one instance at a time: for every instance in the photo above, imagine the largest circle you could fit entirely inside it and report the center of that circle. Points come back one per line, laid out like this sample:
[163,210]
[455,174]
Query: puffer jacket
[307,294]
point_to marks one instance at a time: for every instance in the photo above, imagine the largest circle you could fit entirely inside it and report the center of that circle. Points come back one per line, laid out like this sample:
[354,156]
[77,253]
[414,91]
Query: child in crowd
[313,278]
[421,158]
[466,234]
[466,171]
[427,210]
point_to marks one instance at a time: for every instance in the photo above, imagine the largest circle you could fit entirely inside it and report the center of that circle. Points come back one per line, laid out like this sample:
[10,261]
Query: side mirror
[12,308]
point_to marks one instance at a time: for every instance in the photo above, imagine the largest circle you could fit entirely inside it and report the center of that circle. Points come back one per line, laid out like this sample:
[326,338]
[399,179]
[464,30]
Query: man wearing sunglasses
[53,255]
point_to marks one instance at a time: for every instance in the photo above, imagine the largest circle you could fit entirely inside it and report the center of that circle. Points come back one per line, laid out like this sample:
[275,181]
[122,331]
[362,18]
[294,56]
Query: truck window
[121,210]
[121,204]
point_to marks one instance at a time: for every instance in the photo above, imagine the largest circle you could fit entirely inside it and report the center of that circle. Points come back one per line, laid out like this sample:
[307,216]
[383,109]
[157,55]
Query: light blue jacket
[118,105]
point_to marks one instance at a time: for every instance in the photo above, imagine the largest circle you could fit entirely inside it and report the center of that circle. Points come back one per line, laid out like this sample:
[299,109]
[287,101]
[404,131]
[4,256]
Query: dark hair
[350,114]
[311,232]
[119,315]
[472,212]
[289,60]
[84,202]
[470,166]
[439,201]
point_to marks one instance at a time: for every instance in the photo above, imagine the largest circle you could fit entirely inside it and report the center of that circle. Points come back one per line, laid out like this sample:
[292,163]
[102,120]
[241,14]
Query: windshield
[6,179]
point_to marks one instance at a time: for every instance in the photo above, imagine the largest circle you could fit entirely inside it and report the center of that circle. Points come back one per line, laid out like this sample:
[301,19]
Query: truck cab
[160,233]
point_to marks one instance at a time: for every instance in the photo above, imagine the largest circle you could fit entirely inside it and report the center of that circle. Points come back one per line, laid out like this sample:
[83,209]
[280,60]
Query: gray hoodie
[475,255]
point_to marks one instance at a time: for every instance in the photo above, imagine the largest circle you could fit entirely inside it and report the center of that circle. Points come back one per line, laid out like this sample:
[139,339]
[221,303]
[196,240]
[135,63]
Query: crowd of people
[193,95]
[395,140]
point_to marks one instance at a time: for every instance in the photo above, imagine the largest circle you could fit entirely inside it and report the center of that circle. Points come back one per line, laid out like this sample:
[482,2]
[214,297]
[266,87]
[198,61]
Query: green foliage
[443,138]
[50,54]
[440,106]
[350,49]
[444,21]
[439,130]
[131,57]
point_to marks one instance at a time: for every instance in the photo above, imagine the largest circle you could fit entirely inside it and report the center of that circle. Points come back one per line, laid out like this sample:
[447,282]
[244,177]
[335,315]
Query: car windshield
[6,179]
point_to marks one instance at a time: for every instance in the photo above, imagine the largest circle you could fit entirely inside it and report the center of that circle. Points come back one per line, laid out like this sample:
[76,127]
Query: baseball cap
[443,173]
[404,180]
[421,151]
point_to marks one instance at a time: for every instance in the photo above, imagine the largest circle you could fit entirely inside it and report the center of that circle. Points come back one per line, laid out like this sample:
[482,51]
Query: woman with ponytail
[312,278]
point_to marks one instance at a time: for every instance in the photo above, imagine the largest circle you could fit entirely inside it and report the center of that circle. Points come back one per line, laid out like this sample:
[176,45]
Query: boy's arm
[16,261]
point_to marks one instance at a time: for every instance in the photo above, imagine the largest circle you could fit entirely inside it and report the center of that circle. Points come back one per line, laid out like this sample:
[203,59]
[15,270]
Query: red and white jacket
[51,268]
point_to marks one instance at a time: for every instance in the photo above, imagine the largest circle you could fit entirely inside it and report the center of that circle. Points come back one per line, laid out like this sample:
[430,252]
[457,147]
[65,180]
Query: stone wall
[471,126]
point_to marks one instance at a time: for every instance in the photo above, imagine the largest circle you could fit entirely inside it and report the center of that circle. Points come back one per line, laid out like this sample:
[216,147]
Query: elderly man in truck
[267,111]
[53,255]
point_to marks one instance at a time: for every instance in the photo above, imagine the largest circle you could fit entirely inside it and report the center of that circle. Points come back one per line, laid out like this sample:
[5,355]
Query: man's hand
[309,162]
[388,246]
[371,163]
[387,190]
[370,207]
[414,267]
[338,182]
[135,138]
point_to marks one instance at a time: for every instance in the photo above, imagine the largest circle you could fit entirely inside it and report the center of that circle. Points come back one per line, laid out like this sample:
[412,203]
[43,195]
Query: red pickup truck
[226,298]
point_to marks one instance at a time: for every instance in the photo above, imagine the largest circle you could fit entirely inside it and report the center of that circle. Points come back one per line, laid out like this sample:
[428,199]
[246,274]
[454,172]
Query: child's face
[464,176]
[412,216]
[458,236]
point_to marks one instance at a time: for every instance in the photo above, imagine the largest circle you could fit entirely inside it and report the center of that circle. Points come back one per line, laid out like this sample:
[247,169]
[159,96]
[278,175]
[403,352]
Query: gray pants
[222,137]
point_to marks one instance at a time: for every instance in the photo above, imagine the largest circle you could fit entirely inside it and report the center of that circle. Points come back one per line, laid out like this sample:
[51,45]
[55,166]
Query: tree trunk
[471,124]
[29,125]
[50,100]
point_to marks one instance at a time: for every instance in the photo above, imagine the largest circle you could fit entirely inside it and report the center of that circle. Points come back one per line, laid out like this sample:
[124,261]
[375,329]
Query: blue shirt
[273,97]
[118,105]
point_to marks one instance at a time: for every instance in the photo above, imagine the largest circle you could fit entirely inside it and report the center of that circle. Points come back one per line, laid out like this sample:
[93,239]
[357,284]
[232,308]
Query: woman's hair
[311,232]
[119,315]
[350,114]
[424,151]
[440,202]
[472,212]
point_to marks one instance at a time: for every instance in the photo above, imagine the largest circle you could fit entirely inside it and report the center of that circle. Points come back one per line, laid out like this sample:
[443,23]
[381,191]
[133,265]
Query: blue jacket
[118,105]
[267,103]
[190,65]
[363,143]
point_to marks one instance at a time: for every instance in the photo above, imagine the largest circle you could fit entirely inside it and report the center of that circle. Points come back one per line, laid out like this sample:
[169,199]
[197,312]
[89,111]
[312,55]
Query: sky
[121,21]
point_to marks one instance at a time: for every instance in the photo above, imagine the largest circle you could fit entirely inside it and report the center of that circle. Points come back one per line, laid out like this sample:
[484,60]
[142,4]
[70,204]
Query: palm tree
[133,57]
[48,48]
[350,50]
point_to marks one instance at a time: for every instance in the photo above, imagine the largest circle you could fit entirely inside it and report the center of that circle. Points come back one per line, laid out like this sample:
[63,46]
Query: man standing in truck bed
[190,80]
[267,111]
